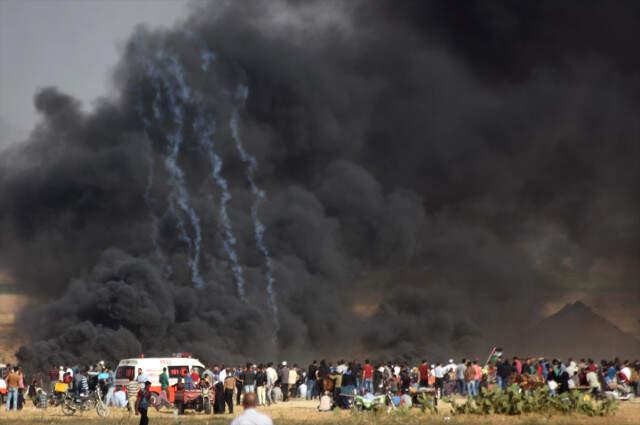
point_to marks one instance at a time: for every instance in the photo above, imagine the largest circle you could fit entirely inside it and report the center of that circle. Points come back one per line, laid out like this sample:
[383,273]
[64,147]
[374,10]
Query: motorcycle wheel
[207,406]
[67,409]
[154,400]
[102,409]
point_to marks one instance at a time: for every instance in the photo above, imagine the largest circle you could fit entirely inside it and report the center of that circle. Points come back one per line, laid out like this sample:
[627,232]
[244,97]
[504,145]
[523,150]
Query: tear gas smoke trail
[206,139]
[206,132]
[206,55]
[154,74]
[179,192]
[242,93]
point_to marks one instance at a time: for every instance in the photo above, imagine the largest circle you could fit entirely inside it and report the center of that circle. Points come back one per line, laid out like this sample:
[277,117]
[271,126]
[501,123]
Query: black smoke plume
[433,173]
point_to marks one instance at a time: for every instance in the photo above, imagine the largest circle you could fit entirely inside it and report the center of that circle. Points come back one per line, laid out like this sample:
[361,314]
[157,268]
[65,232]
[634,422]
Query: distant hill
[576,331]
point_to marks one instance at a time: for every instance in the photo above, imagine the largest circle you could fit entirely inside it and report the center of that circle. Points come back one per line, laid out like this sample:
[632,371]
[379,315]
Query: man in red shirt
[424,374]
[195,377]
[367,377]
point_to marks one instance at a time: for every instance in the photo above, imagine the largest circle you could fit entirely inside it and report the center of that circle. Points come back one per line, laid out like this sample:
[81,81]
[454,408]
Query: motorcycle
[374,402]
[85,403]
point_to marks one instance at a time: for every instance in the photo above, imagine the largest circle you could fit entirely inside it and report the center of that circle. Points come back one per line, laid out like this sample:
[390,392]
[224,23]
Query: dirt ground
[304,412]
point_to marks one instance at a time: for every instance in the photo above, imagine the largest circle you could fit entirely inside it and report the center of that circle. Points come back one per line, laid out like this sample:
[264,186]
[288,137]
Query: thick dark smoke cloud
[433,175]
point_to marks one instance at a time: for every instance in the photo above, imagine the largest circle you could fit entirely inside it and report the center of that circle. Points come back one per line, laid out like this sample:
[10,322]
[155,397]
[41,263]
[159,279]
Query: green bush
[514,401]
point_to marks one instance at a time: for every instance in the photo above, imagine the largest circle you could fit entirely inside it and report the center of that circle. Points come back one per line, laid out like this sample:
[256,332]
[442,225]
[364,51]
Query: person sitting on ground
[120,397]
[326,403]
[251,416]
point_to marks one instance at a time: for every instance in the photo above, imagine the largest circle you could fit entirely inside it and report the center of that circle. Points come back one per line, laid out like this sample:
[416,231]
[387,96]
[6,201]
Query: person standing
[272,378]
[229,388]
[163,400]
[249,382]
[261,382]
[109,383]
[293,379]
[461,368]
[469,378]
[367,377]
[311,379]
[21,388]
[323,372]
[284,381]
[132,392]
[13,384]
[239,374]
[503,373]
[439,373]
[141,378]
[188,380]
[143,400]
[218,407]
[423,371]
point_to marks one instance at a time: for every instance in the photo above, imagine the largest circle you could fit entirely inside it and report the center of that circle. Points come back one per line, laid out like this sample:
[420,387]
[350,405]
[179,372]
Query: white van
[177,366]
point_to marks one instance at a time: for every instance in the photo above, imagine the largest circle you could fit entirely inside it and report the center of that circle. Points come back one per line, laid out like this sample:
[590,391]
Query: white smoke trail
[155,76]
[242,93]
[179,192]
[206,129]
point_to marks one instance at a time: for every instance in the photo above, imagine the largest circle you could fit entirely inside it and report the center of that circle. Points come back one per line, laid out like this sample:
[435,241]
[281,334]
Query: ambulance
[177,365]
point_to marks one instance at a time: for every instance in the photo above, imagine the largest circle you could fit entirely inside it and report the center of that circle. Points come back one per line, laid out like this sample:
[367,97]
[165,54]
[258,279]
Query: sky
[66,43]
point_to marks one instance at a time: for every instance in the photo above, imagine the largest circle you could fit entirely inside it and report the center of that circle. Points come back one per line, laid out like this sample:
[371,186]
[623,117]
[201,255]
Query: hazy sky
[72,44]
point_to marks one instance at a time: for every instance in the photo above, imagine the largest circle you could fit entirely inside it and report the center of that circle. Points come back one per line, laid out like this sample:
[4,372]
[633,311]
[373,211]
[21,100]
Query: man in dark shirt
[283,376]
[249,384]
[239,374]
[261,383]
[311,380]
[323,372]
[143,400]
[503,373]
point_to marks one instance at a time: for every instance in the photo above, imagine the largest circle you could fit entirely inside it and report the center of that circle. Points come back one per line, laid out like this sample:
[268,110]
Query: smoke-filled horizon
[283,178]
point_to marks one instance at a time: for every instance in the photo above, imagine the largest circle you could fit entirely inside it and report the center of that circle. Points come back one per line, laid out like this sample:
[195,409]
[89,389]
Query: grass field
[302,412]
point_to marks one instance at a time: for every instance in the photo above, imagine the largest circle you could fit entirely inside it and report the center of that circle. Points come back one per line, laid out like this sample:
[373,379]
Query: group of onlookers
[271,383]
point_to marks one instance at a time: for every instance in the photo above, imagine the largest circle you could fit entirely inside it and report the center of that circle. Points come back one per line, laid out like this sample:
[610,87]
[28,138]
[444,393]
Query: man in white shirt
[251,416]
[594,383]
[119,398]
[626,371]
[272,377]
[439,372]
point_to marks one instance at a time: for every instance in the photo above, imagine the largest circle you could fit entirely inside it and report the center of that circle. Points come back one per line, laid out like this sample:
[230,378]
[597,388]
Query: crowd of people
[333,384]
